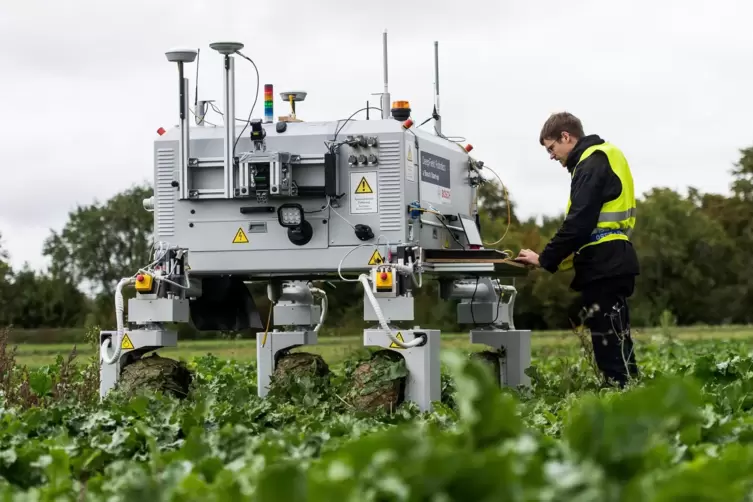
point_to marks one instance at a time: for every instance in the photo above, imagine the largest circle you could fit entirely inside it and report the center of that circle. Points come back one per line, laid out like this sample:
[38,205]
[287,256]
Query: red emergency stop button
[143,283]
[384,281]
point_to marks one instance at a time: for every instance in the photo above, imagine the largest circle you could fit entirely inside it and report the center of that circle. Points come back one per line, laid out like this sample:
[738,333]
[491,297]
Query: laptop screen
[471,230]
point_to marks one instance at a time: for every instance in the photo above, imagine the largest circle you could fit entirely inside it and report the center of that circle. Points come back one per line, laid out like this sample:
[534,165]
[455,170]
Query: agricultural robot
[287,202]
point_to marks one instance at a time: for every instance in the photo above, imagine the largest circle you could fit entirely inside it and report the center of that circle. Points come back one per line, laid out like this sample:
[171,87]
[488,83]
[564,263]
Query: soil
[156,373]
[377,386]
[297,364]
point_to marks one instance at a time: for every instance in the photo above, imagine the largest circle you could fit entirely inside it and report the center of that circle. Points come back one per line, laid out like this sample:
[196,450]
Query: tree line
[694,250]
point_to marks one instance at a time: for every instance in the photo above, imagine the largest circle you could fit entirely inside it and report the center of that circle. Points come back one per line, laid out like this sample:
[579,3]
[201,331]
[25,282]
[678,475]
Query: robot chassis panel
[229,210]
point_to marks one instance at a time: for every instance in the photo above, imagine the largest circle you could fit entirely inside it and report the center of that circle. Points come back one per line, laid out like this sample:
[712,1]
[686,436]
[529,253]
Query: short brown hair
[557,123]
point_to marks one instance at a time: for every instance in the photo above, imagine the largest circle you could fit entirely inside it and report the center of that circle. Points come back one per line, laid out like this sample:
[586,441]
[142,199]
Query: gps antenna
[227,49]
[182,56]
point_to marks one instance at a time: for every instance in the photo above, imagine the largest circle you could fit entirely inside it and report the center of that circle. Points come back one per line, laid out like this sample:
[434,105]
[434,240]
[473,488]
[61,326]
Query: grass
[334,349]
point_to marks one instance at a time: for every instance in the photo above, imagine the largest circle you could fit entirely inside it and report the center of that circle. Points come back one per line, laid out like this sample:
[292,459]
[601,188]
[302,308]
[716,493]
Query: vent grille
[165,196]
[390,191]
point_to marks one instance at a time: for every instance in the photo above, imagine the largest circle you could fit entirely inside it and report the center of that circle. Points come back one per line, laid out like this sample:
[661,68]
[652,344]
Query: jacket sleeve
[587,195]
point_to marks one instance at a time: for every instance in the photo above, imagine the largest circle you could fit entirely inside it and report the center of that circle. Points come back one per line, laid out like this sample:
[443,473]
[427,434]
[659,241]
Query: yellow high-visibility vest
[617,217]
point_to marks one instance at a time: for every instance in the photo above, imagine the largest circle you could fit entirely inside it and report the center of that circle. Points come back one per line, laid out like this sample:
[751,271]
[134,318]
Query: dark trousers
[604,310]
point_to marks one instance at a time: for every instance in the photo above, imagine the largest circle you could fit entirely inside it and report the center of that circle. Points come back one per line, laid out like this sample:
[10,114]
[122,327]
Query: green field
[682,432]
[337,348]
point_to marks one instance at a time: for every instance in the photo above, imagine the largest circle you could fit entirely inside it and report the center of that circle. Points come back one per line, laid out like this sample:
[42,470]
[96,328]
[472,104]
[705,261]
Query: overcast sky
[85,85]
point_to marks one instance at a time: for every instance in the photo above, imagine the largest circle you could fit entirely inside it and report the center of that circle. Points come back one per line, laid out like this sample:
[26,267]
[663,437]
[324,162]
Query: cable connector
[414,209]
[364,232]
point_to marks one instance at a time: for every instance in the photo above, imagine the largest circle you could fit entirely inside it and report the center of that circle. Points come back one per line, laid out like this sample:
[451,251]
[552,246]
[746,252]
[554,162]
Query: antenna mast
[181,57]
[386,93]
[437,117]
[227,49]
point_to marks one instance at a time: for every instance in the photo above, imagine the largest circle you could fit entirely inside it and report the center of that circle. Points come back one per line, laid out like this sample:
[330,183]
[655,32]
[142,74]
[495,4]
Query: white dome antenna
[182,56]
[291,97]
[179,55]
[227,49]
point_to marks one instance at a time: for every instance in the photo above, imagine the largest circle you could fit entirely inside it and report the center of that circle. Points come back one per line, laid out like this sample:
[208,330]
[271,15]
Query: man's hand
[528,257]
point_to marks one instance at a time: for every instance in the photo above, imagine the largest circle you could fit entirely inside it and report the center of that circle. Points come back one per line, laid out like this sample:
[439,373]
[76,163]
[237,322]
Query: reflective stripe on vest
[617,217]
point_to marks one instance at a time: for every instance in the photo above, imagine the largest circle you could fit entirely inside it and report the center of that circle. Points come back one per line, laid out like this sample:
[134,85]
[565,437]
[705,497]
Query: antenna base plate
[180,55]
[297,95]
[226,48]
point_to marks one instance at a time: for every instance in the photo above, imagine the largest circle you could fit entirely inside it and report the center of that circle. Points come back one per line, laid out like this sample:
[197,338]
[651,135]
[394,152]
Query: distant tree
[6,274]
[742,173]
[103,242]
[733,214]
[495,200]
[42,301]
[687,260]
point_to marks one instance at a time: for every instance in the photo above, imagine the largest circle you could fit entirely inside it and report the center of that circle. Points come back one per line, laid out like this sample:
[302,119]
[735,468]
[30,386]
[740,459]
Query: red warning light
[161,131]
[468,147]
[407,124]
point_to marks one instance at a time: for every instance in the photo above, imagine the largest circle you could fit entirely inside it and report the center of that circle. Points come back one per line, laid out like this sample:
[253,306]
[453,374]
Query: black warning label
[435,170]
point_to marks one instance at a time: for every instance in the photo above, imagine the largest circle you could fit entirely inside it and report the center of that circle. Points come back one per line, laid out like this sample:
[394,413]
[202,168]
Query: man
[594,239]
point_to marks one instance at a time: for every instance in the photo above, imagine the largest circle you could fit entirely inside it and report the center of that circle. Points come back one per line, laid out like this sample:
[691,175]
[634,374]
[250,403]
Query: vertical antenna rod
[227,49]
[386,94]
[182,56]
[229,122]
[438,124]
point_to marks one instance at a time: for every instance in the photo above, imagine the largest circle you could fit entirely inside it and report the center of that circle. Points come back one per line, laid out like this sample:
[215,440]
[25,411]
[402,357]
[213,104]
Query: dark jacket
[593,185]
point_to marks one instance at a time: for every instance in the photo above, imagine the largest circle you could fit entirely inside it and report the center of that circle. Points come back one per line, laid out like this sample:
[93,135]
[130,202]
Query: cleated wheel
[298,373]
[298,364]
[379,384]
[155,373]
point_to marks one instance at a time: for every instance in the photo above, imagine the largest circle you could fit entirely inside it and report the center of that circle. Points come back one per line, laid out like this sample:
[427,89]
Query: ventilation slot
[165,196]
[390,190]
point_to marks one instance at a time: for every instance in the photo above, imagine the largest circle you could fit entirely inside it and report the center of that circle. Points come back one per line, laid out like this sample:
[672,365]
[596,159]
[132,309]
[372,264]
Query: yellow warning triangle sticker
[364,187]
[399,336]
[376,258]
[240,237]
[126,343]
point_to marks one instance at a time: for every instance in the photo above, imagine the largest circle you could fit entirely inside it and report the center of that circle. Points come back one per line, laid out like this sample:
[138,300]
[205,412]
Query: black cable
[351,117]
[335,146]
[473,297]
[441,220]
[248,121]
[433,116]
[499,302]
[314,211]
[219,112]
